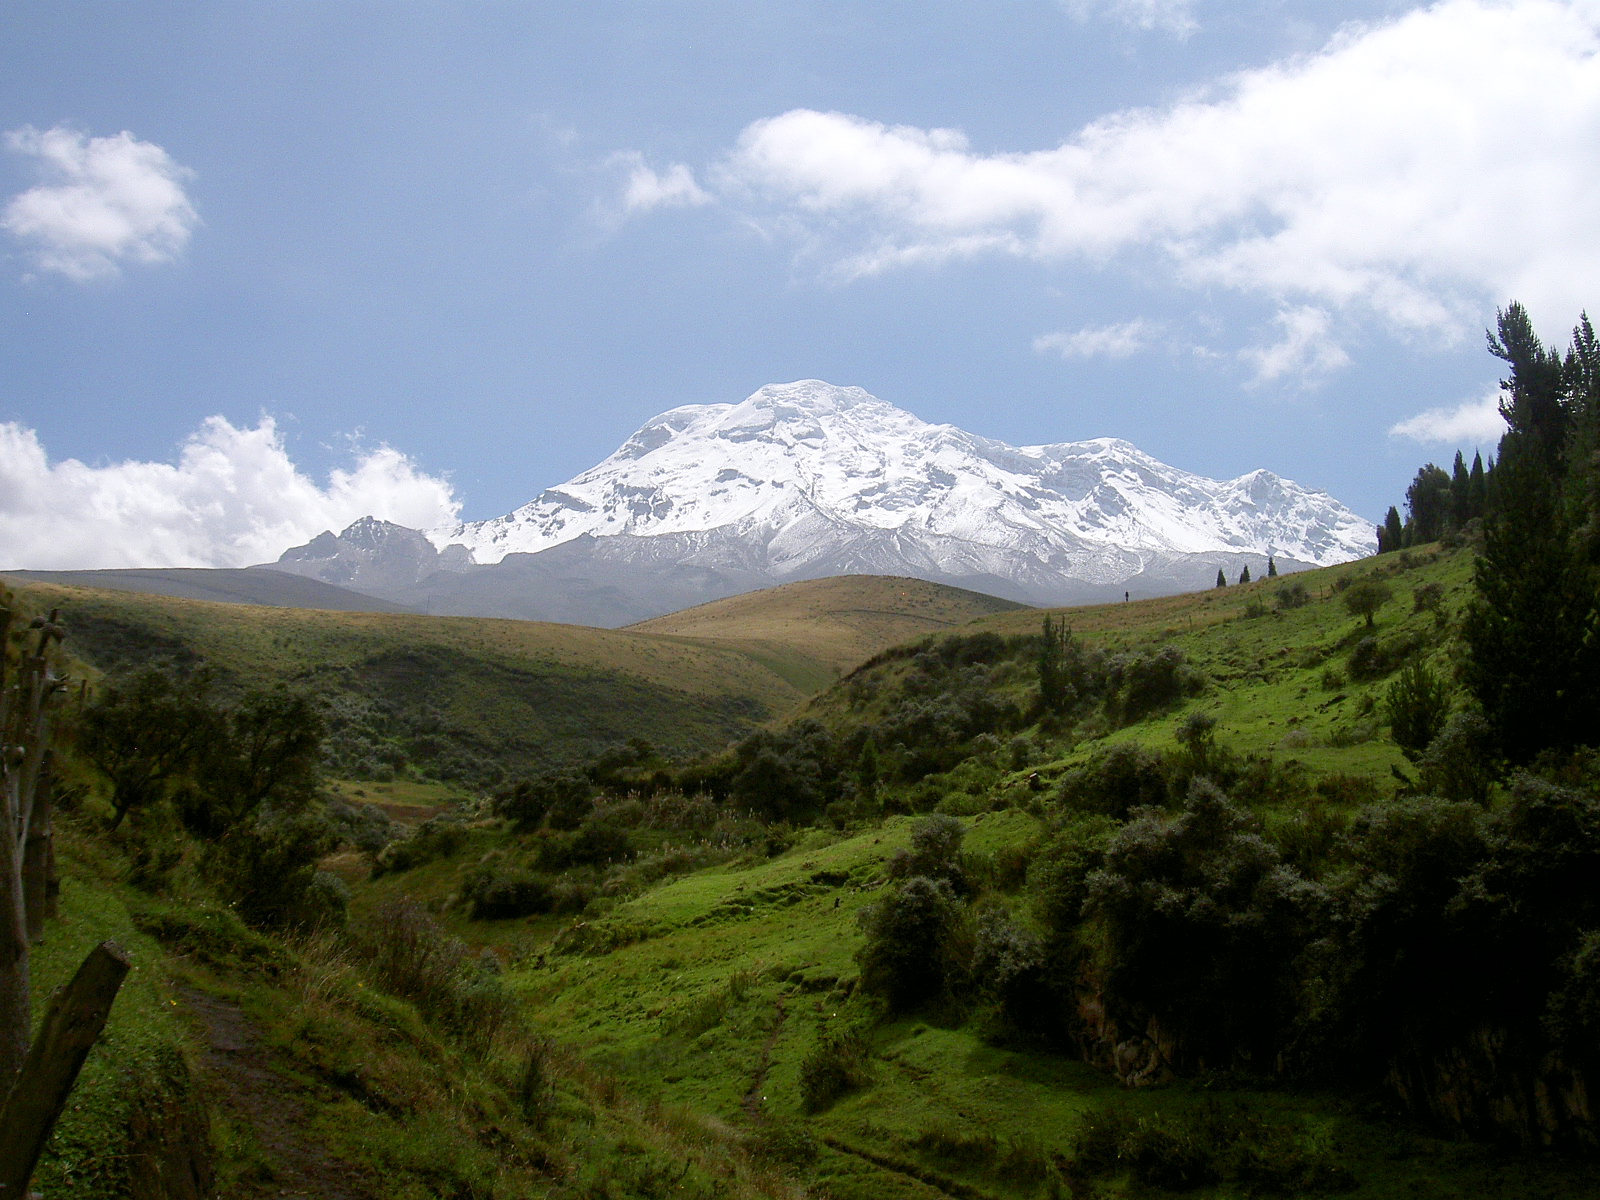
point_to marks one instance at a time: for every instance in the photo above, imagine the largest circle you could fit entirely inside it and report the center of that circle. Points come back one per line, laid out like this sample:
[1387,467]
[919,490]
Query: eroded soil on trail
[246,1086]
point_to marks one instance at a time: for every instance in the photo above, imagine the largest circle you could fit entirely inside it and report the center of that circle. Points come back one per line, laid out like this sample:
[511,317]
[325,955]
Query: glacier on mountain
[806,475]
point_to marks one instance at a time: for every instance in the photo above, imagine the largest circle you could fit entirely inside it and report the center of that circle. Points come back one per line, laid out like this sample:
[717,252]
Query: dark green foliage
[437,837]
[1373,657]
[1459,763]
[838,1063]
[147,733]
[1141,684]
[1272,567]
[1244,573]
[1188,1149]
[1114,783]
[1416,705]
[492,895]
[785,775]
[1428,505]
[1292,595]
[934,853]
[1011,967]
[1533,630]
[1222,580]
[408,954]
[1364,597]
[564,798]
[597,843]
[905,957]
[266,747]
[1191,905]
[1391,534]
[265,866]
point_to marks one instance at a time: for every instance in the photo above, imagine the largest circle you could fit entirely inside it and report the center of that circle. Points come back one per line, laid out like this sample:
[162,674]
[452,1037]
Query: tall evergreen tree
[1392,536]
[1460,493]
[1532,398]
[1428,504]
[1477,488]
[1533,631]
[1222,580]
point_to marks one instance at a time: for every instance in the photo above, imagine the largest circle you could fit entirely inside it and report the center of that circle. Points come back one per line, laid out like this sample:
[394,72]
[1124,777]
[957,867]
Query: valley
[635,970]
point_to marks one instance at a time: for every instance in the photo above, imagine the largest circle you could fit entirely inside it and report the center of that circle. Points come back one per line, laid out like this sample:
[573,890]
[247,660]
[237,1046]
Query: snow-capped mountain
[796,465]
[806,479]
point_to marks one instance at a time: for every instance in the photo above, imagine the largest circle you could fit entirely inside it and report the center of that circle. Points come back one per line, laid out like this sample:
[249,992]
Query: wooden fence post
[72,1022]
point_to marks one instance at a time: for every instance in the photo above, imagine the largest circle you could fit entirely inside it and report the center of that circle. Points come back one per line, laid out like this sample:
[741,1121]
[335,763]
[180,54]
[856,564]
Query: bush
[906,955]
[935,852]
[1191,905]
[836,1064]
[437,837]
[1415,706]
[493,897]
[409,955]
[1292,595]
[1116,782]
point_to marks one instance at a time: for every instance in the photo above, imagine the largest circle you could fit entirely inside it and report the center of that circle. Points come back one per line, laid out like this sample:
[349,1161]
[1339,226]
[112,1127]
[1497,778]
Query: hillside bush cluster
[231,784]
[1379,943]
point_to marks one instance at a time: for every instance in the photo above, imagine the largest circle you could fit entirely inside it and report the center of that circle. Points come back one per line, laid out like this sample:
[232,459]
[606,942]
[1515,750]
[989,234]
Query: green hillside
[1139,899]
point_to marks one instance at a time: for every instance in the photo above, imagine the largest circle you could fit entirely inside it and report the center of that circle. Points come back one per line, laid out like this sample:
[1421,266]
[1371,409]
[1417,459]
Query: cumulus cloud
[1305,347]
[1476,422]
[103,202]
[232,499]
[647,188]
[1112,341]
[1169,16]
[1410,172]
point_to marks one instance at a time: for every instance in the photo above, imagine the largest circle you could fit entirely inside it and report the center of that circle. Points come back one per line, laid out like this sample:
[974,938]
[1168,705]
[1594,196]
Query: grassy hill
[691,999]
[814,630]
[253,585]
[467,698]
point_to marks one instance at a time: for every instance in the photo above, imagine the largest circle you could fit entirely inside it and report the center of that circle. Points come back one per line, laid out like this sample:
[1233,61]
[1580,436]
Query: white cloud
[1306,347]
[1477,422]
[104,201]
[234,498]
[1169,16]
[1412,171]
[647,189]
[1113,341]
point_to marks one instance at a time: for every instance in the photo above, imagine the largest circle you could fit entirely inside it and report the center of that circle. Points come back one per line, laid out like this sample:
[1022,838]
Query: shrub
[1292,595]
[409,955]
[1415,706]
[1116,782]
[491,896]
[906,956]
[836,1064]
[934,853]
[1190,905]
[437,837]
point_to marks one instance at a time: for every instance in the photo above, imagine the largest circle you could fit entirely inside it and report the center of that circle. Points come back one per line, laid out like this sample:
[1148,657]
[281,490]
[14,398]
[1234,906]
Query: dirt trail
[237,1066]
[753,1098]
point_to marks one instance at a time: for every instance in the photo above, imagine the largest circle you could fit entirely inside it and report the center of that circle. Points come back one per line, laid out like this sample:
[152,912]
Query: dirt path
[753,1098]
[237,1068]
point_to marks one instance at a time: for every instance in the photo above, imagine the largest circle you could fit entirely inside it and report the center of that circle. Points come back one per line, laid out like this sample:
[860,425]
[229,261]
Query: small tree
[1244,574]
[1365,597]
[1416,705]
[1222,580]
[1272,567]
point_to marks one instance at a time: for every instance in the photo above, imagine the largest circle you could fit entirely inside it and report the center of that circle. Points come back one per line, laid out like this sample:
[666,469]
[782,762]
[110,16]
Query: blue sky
[265,267]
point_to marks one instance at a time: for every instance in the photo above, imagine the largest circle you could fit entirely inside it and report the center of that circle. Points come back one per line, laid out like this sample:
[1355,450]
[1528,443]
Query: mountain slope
[811,472]
[255,585]
[807,480]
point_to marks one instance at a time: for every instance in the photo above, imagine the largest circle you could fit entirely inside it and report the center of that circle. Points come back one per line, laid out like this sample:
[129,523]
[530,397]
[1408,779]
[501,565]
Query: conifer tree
[1272,568]
[1393,536]
[1244,575]
[1222,580]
